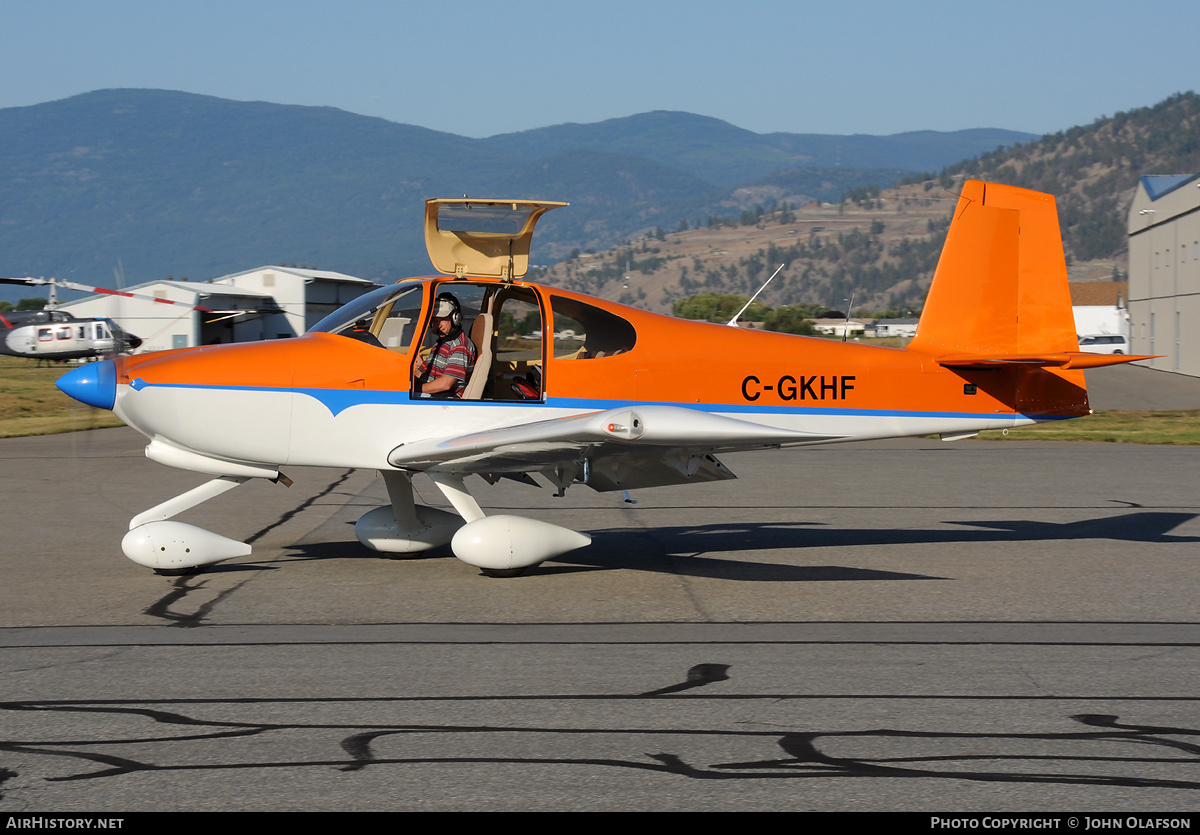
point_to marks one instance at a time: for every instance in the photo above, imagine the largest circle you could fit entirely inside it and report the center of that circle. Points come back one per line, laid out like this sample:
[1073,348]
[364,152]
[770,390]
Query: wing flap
[636,472]
[537,445]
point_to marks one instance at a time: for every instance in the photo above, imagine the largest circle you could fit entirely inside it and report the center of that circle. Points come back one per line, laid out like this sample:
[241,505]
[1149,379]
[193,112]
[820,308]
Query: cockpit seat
[482,331]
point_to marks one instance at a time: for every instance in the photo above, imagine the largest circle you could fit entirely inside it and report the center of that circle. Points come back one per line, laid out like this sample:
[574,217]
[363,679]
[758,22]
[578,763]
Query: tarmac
[1132,387]
[904,626]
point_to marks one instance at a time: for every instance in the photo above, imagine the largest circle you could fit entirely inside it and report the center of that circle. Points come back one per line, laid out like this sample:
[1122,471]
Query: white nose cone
[500,543]
[174,545]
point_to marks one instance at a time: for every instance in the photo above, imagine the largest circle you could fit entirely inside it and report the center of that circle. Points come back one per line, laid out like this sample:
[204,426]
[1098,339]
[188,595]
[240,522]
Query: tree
[789,319]
[717,307]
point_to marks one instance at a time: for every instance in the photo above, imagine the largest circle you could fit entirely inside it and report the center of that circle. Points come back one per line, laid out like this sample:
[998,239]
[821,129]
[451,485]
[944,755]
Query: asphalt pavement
[912,625]
[1136,388]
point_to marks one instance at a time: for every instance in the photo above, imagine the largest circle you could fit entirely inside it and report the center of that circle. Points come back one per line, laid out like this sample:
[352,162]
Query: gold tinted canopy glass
[467,237]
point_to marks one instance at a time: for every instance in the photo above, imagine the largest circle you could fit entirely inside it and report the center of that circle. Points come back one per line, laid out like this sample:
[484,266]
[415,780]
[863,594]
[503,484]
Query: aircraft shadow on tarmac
[1101,749]
[693,550]
[687,550]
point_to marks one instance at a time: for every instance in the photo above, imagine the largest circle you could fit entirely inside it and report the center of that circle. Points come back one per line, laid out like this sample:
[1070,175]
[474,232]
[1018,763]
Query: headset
[447,306]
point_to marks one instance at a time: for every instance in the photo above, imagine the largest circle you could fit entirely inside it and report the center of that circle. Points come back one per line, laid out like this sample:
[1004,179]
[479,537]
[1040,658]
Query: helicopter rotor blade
[87,288]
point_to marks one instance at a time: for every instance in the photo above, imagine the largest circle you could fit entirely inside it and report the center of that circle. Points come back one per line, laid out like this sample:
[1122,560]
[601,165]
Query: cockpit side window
[582,331]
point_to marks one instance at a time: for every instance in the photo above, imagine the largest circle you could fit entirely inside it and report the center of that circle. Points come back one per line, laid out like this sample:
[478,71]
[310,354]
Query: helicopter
[57,335]
[590,391]
[53,334]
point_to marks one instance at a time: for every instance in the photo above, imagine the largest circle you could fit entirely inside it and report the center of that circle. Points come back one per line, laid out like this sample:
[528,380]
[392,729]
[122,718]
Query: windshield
[365,307]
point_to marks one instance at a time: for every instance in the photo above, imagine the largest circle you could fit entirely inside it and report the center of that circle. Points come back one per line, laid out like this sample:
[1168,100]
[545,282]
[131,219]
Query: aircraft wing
[617,449]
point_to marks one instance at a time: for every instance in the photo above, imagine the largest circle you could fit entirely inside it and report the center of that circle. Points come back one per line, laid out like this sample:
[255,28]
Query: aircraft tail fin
[1000,291]
[1001,284]
[1000,299]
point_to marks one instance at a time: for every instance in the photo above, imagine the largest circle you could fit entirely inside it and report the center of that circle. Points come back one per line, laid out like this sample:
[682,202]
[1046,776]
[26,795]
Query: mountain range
[168,183]
[880,246]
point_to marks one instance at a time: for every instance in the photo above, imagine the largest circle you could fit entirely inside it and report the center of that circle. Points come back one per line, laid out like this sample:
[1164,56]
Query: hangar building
[263,303]
[1164,272]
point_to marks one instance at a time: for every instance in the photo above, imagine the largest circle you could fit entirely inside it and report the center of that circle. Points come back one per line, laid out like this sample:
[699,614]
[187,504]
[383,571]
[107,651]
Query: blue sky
[481,68]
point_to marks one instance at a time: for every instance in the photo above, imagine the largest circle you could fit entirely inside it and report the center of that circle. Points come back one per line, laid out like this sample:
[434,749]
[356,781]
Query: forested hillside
[879,244]
[1093,170]
[878,247]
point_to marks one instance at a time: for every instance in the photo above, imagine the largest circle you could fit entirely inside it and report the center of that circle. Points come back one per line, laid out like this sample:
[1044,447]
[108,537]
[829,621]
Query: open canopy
[490,238]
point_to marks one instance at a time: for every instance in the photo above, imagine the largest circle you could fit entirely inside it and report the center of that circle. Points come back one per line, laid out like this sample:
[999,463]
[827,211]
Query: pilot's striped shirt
[451,357]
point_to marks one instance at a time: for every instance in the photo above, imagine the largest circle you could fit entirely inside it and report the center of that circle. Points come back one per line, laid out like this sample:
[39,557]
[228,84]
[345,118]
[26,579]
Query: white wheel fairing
[503,543]
[176,545]
[378,530]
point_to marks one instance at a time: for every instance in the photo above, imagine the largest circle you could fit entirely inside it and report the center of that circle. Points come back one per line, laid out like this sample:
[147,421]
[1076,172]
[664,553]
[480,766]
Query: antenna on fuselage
[733,322]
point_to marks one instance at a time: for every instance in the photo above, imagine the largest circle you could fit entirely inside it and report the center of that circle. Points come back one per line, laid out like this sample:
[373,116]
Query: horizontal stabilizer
[1066,360]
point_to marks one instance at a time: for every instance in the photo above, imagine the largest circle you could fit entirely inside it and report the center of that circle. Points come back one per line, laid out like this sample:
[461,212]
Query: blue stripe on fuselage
[339,400]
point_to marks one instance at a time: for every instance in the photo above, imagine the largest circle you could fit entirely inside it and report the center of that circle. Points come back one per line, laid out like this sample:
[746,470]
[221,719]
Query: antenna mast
[733,322]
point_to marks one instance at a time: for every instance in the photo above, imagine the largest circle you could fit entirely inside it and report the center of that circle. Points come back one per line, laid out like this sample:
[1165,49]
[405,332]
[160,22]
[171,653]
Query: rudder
[1000,287]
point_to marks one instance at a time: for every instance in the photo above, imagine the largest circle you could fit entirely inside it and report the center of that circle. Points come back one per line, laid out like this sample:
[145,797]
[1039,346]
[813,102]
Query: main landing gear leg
[177,548]
[502,546]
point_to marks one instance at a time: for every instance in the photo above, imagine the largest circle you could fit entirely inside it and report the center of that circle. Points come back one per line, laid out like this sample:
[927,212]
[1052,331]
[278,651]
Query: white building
[264,303]
[839,327]
[896,327]
[1100,307]
[1164,272]
[305,296]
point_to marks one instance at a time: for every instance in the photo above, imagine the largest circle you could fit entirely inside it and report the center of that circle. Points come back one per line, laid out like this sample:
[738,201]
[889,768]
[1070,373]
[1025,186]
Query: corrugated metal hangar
[1164,271]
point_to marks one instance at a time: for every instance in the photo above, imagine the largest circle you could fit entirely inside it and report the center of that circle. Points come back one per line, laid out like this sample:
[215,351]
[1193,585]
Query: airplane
[578,390]
[52,334]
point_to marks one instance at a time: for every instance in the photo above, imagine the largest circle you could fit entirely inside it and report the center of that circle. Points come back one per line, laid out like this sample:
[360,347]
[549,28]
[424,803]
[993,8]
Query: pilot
[444,373]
